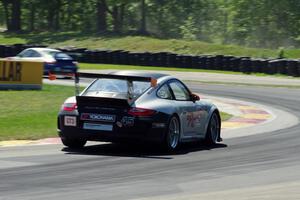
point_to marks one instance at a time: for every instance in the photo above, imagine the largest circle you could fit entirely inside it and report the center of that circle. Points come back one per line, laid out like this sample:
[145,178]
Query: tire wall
[165,59]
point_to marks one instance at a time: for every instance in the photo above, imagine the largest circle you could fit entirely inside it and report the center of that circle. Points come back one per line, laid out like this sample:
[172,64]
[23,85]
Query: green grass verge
[140,44]
[32,115]
[133,67]
[8,39]
[90,66]
[225,116]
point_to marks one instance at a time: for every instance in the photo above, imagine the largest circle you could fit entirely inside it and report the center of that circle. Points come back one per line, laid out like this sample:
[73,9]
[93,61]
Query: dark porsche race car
[54,60]
[137,106]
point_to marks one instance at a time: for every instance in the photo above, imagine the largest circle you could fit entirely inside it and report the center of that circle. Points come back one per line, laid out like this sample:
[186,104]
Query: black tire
[172,137]
[213,130]
[73,143]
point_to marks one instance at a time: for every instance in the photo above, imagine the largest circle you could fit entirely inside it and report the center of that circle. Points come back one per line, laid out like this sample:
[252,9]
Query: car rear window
[116,88]
[50,52]
[62,56]
[58,55]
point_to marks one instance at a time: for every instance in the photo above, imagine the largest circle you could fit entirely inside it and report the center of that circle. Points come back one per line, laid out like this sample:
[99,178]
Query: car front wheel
[173,134]
[213,130]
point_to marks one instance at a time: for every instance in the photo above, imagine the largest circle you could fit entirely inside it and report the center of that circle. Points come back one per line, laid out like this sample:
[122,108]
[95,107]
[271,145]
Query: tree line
[257,23]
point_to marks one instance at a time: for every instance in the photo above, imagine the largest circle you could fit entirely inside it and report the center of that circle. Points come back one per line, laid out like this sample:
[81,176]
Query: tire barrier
[12,50]
[166,59]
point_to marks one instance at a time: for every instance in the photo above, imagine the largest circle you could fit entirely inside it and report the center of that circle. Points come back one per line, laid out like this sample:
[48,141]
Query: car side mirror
[195,97]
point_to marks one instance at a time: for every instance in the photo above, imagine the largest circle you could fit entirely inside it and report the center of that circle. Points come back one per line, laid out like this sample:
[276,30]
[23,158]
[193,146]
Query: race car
[54,60]
[139,107]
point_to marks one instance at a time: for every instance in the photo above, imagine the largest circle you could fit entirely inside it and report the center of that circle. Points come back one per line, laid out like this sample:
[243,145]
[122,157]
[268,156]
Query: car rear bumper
[143,130]
[60,70]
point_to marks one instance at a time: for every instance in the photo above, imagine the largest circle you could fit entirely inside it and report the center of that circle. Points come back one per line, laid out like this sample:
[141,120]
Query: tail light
[141,112]
[69,107]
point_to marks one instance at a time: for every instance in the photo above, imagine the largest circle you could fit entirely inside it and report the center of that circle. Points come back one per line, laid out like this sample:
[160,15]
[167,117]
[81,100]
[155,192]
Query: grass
[139,44]
[225,116]
[7,39]
[87,66]
[30,115]
[90,66]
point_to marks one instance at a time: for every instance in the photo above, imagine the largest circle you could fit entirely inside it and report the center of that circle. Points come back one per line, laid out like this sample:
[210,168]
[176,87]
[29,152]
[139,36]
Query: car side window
[25,54]
[29,54]
[164,92]
[179,91]
[35,54]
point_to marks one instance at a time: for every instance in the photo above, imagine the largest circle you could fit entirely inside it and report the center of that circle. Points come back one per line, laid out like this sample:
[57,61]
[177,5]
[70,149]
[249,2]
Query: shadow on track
[140,151]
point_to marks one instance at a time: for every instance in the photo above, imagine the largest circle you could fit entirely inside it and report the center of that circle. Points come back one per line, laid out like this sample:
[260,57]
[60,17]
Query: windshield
[116,88]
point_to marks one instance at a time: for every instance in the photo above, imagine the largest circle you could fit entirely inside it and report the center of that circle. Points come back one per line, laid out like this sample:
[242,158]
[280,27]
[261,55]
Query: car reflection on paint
[137,106]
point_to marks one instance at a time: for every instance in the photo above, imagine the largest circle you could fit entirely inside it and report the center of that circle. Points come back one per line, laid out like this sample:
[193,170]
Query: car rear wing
[79,75]
[129,79]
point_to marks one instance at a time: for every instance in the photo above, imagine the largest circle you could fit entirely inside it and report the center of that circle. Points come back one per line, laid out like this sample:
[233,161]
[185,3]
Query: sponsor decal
[119,124]
[158,125]
[127,121]
[194,117]
[98,117]
[70,121]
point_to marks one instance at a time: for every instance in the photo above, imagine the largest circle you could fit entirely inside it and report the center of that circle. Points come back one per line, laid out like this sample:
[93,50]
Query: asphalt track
[263,166]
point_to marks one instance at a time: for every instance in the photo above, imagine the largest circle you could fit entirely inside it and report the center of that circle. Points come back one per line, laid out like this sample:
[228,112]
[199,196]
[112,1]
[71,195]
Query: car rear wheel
[213,130]
[173,134]
[73,143]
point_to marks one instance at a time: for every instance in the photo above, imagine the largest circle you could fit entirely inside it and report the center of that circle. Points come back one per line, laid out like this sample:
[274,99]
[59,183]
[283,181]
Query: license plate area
[97,126]
[70,121]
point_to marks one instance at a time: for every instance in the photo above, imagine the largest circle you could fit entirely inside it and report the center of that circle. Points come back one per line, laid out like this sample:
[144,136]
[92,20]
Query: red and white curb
[46,141]
[244,113]
[251,118]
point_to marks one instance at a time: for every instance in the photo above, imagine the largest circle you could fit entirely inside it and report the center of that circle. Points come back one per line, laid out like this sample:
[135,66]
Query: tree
[101,15]
[143,29]
[119,10]
[259,23]
[188,30]
[2,17]
[53,16]
[263,23]
[32,7]
[118,17]
[12,10]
